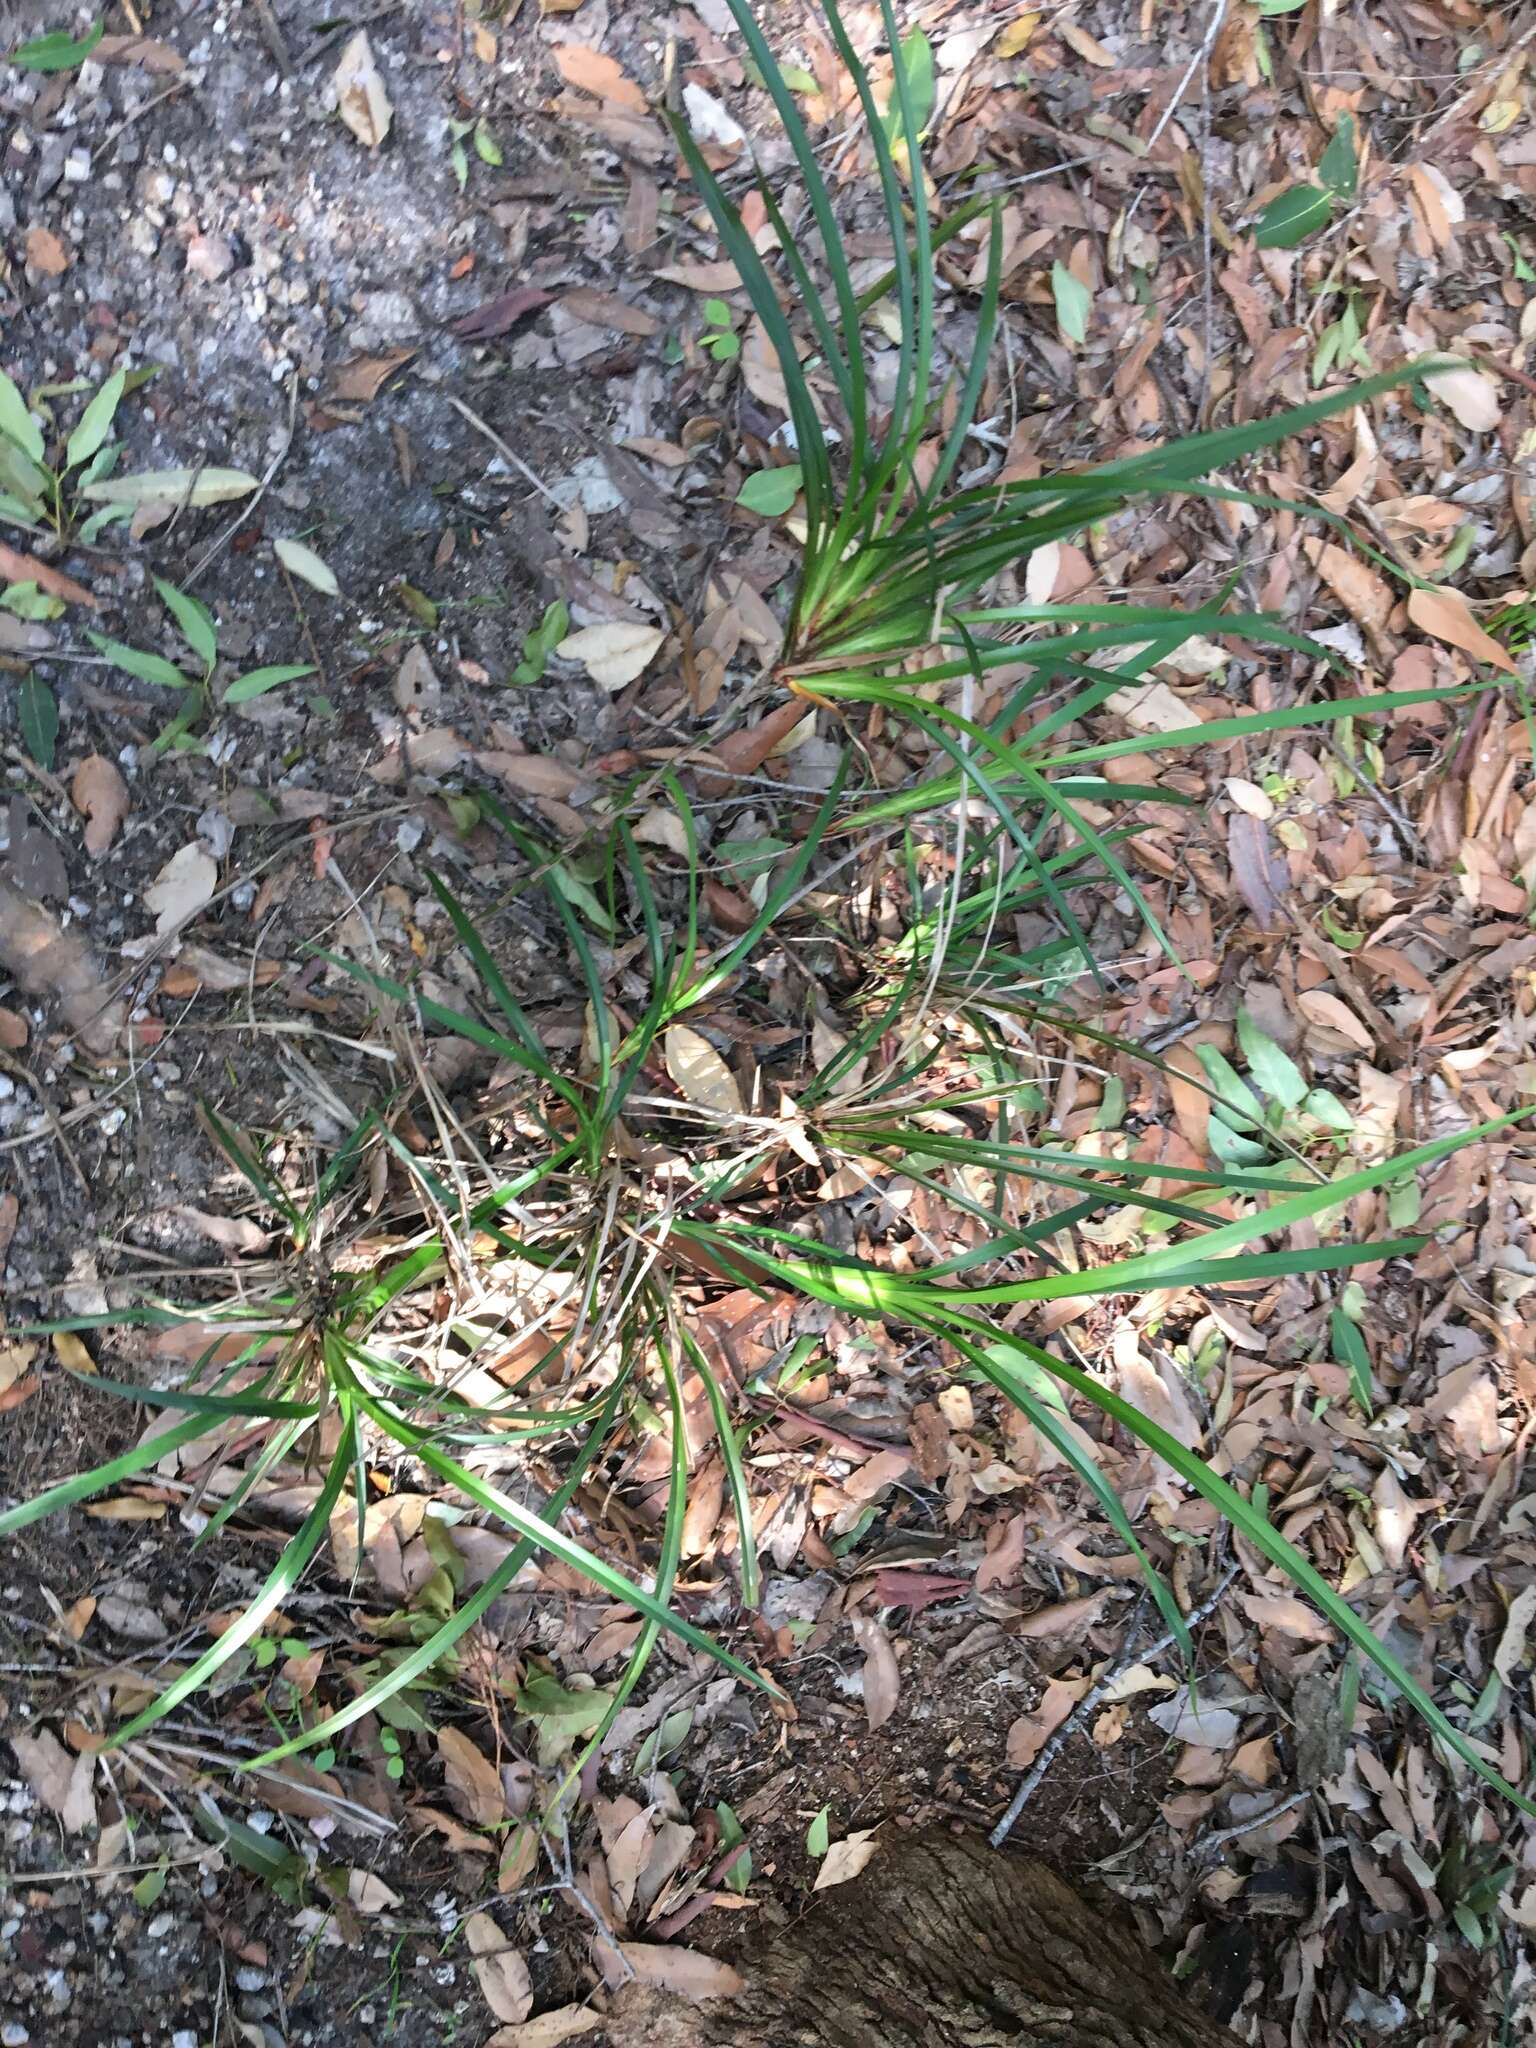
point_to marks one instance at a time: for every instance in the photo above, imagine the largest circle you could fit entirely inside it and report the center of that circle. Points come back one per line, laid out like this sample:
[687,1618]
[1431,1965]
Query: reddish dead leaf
[1030,1733]
[13,1031]
[590,71]
[500,315]
[607,309]
[474,1785]
[46,253]
[360,381]
[1259,872]
[145,51]
[680,1970]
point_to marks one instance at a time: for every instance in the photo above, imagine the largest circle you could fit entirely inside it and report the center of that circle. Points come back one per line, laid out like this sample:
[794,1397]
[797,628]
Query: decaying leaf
[499,1969]
[368,1892]
[99,793]
[173,487]
[699,1071]
[845,1859]
[613,653]
[882,1674]
[1472,396]
[547,2029]
[361,100]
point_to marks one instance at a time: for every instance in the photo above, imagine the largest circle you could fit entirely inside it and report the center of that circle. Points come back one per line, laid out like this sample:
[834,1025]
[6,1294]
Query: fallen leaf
[710,119]
[1471,395]
[607,309]
[17,567]
[1321,1007]
[13,1031]
[548,2029]
[474,1787]
[500,315]
[370,1894]
[704,1078]
[46,253]
[361,100]
[148,51]
[361,380]
[500,1969]
[182,887]
[845,1859]
[61,1782]
[1446,615]
[172,487]
[680,1970]
[602,76]
[1030,1732]
[1151,707]
[99,793]
[127,1507]
[304,563]
[613,653]
[882,1674]
[235,1233]
[49,961]
[1511,1652]
[1062,1617]
[71,1353]
[1363,594]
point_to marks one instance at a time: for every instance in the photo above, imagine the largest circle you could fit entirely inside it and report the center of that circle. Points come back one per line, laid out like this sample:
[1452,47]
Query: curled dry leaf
[182,887]
[1445,615]
[845,1859]
[1030,1732]
[361,100]
[370,1894]
[613,654]
[499,1968]
[17,567]
[62,1782]
[474,1786]
[682,1970]
[705,1079]
[100,795]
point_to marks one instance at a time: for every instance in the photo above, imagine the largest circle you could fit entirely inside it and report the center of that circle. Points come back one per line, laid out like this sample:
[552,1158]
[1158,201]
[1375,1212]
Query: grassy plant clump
[610,1198]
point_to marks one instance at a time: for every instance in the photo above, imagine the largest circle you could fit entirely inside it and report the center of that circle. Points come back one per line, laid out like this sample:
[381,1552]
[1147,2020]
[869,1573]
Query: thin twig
[1208,1843]
[507,454]
[1093,1697]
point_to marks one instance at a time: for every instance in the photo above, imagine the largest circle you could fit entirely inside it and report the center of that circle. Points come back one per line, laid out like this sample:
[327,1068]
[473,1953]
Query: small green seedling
[58,51]
[720,336]
[199,629]
[541,642]
[33,492]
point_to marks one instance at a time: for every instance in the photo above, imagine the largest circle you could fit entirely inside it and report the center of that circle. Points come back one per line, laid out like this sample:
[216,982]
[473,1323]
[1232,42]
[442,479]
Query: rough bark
[941,1943]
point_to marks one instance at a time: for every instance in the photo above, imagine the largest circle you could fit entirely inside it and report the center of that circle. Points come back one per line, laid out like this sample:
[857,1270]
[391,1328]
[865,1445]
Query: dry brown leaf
[845,1859]
[361,380]
[602,76]
[183,886]
[47,961]
[1446,615]
[1363,594]
[548,2029]
[127,1507]
[500,1969]
[1394,1517]
[62,1782]
[1030,1732]
[46,253]
[701,1074]
[369,1893]
[1318,1006]
[607,309]
[474,1785]
[152,54]
[14,1032]
[361,100]
[17,567]
[882,1674]
[680,1970]
[1151,707]
[1471,395]
[235,1233]
[613,653]
[1090,50]
[534,774]
[99,793]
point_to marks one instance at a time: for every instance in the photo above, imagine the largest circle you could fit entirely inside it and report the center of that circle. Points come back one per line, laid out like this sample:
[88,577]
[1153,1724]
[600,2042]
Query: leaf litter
[1323,912]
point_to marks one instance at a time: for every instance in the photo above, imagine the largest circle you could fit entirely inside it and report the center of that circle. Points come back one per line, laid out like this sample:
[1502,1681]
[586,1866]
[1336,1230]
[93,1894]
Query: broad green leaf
[58,51]
[818,1836]
[772,491]
[487,148]
[27,601]
[304,563]
[257,681]
[1074,303]
[922,93]
[1271,7]
[136,661]
[541,643]
[95,422]
[38,710]
[1339,169]
[1275,1072]
[16,421]
[195,621]
[195,487]
[1291,216]
[1349,1349]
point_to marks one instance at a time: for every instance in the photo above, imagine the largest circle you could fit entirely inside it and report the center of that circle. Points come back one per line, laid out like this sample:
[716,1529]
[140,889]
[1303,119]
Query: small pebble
[14,2035]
